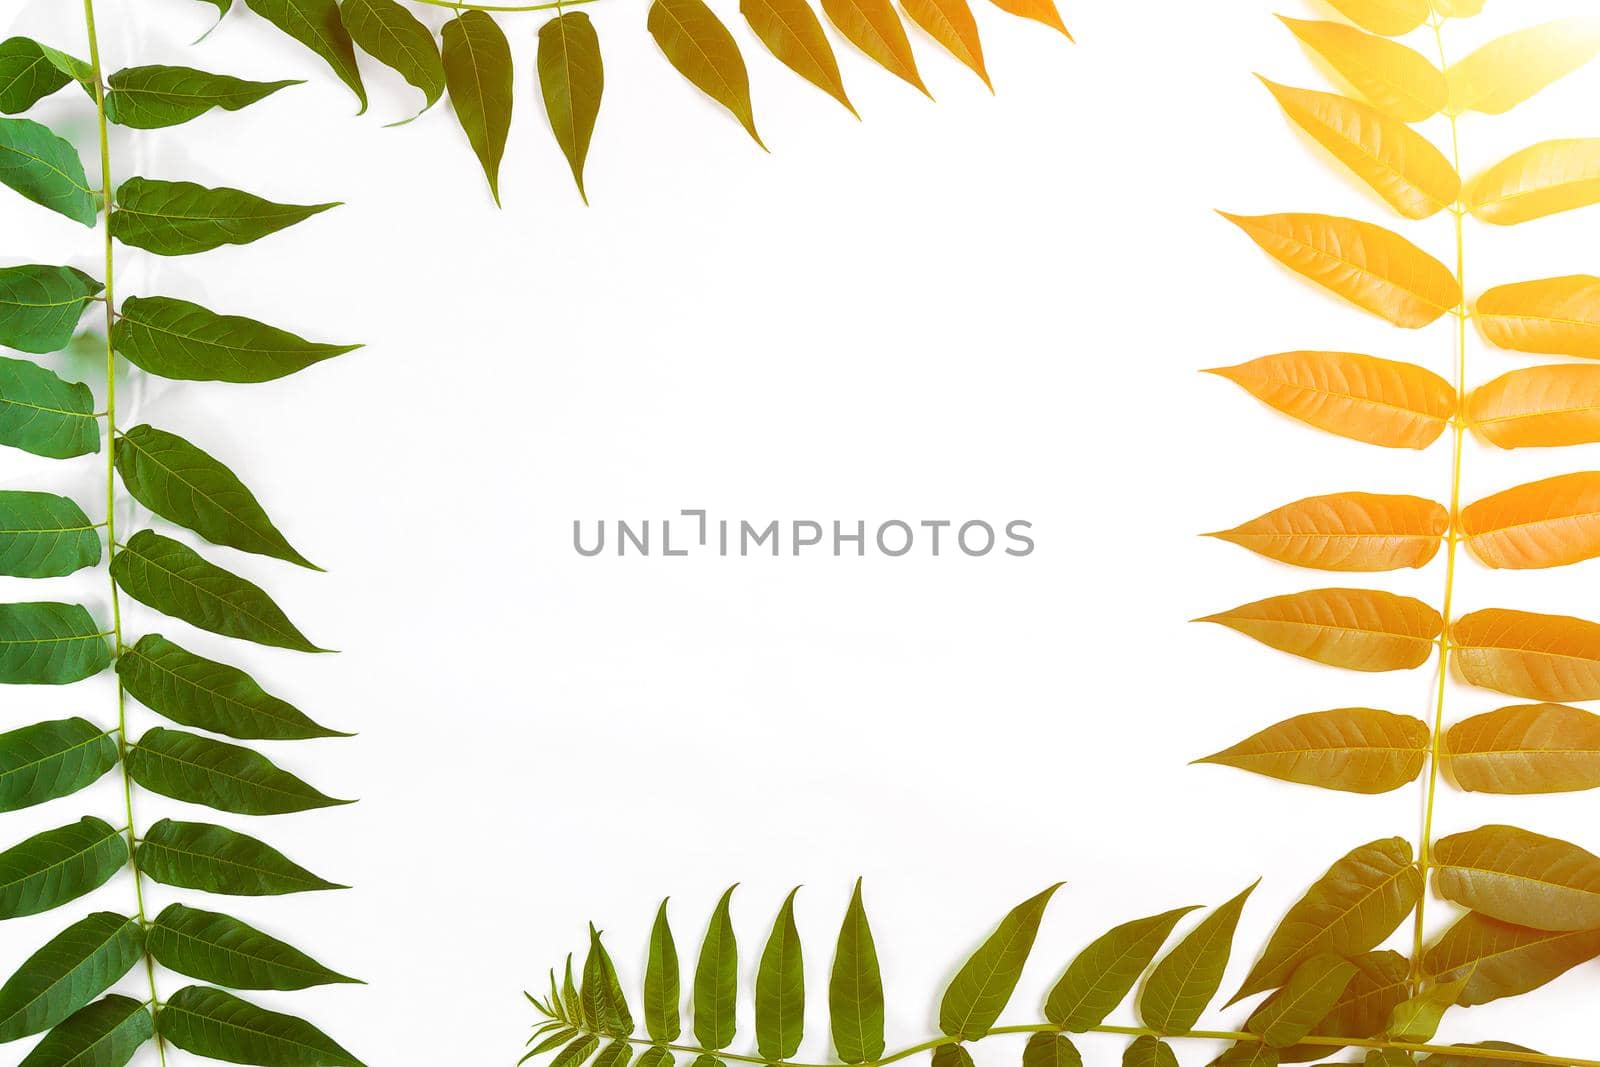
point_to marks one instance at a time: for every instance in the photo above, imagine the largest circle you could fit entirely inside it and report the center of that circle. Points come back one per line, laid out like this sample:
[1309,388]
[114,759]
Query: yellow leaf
[1354,750]
[697,43]
[873,27]
[1369,266]
[1400,164]
[1347,532]
[1553,317]
[1514,68]
[1537,657]
[1527,748]
[1379,401]
[1539,407]
[1358,629]
[1392,18]
[950,22]
[793,33]
[1544,180]
[1038,10]
[1548,523]
[1396,79]
[1500,959]
[1520,877]
[1458,9]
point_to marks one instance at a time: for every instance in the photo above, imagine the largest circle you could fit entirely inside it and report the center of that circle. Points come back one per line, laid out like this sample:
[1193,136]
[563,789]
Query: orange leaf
[1548,523]
[1392,18]
[950,22]
[1347,532]
[1354,750]
[1539,407]
[793,33]
[1400,164]
[696,42]
[1379,401]
[1369,266]
[1553,317]
[1038,10]
[1520,877]
[1537,657]
[1395,79]
[1544,180]
[873,27]
[1500,959]
[1514,68]
[1358,629]
[1527,748]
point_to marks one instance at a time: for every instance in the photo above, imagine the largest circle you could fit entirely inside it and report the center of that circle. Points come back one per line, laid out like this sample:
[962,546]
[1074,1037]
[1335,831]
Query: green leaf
[202,693]
[52,759]
[42,414]
[45,169]
[616,1054]
[1445,1059]
[952,1056]
[44,536]
[150,98]
[50,644]
[1248,1054]
[226,777]
[1293,1011]
[655,1056]
[1418,1019]
[1186,979]
[781,988]
[316,24]
[477,68]
[30,71]
[855,989]
[393,36]
[716,980]
[177,339]
[604,1005]
[219,948]
[570,997]
[106,1033]
[56,866]
[571,79]
[1105,972]
[1149,1051]
[1050,1050]
[1382,981]
[173,579]
[214,859]
[555,1040]
[696,42]
[72,968]
[220,1026]
[576,1052]
[192,488]
[40,305]
[182,218]
[661,1018]
[979,991]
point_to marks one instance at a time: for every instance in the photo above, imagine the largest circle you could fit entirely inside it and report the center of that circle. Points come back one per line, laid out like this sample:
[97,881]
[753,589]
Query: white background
[992,307]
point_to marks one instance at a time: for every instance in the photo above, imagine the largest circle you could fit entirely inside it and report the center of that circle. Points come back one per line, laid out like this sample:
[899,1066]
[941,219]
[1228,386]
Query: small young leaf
[219,948]
[1183,983]
[781,988]
[44,536]
[316,24]
[1549,523]
[1147,1051]
[604,1006]
[571,79]
[40,305]
[29,72]
[1105,972]
[1357,629]
[716,980]
[52,868]
[181,218]
[1499,959]
[177,339]
[1394,78]
[661,1018]
[1051,1050]
[700,47]
[950,22]
[42,414]
[50,644]
[477,68]
[1347,532]
[173,579]
[980,990]
[1514,68]
[1038,10]
[1391,18]
[873,27]
[1356,750]
[1539,407]
[1520,877]
[226,777]
[52,759]
[106,1033]
[1553,316]
[1311,992]
[1537,182]
[47,170]
[151,98]
[855,988]
[220,1026]
[72,968]
[1537,657]
[1418,1019]
[387,32]
[1529,748]
[793,33]
[214,859]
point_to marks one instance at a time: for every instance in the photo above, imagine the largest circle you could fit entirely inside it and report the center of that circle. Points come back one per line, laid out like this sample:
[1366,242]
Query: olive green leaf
[570,996]
[716,980]
[44,536]
[979,991]
[781,988]
[1418,1018]
[1147,1051]
[52,759]
[106,1033]
[1186,979]
[571,80]
[182,218]
[604,1005]
[50,644]
[560,1037]
[1520,877]
[1248,1054]
[214,859]
[56,866]
[696,42]
[316,24]
[150,98]
[42,414]
[1293,1011]
[1387,1057]
[177,339]
[477,70]
[577,1052]
[655,1056]
[1445,1059]
[30,71]
[172,578]
[1105,972]
[226,777]
[616,1054]
[1381,983]
[179,482]
[1499,959]
[395,37]
[1051,1050]
[952,1056]
[855,989]
[219,948]
[661,1018]
[194,691]
[40,305]
[72,968]
[793,33]
[221,1026]
[45,169]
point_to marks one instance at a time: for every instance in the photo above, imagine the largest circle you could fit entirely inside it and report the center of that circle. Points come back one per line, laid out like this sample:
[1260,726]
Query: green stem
[111,489]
